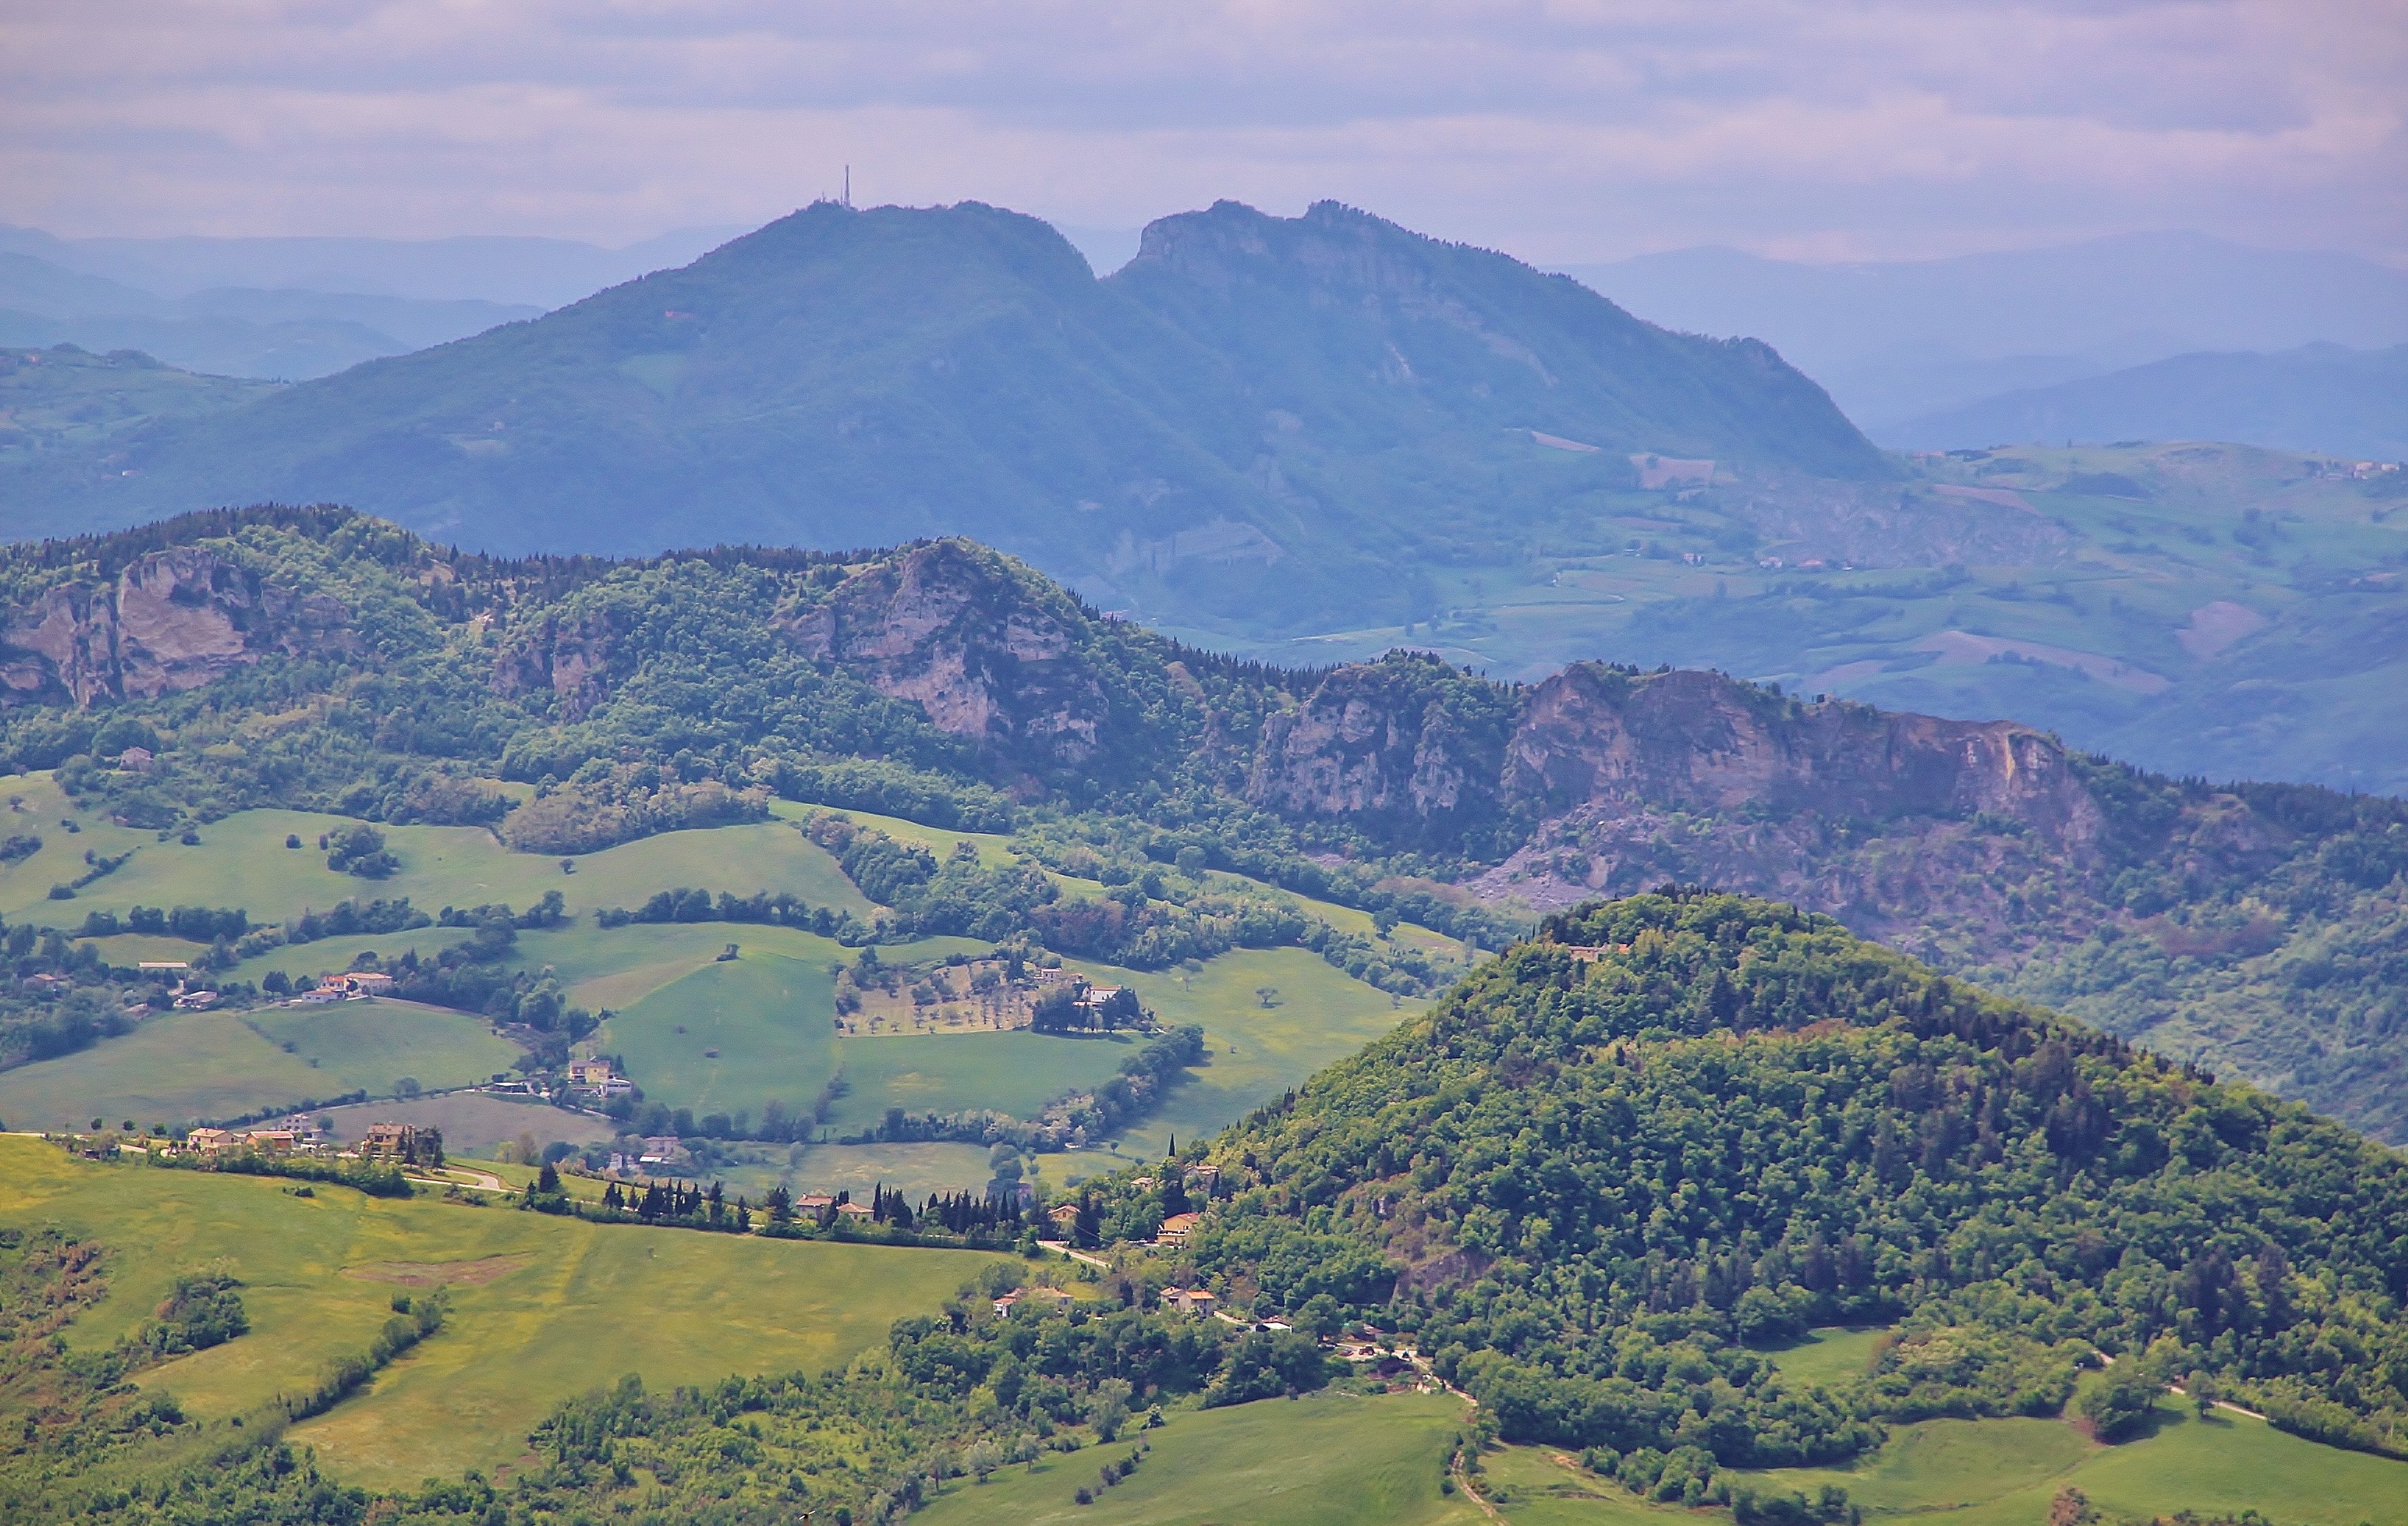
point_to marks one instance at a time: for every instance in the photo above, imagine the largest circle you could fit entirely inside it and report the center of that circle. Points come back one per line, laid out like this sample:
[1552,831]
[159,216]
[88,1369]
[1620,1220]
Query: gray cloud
[1563,130]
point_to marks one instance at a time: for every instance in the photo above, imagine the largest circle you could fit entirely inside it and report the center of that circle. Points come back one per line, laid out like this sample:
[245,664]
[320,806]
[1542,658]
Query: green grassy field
[1830,1356]
[375,1044]
[542,1308]
[1325,1460]
[732,1035]
[2004,1472]
[472,1122]
[1015,1073]
[915,1169]
[1322,1014]
[170,1070]
[179,1067]
[242,861]
[1538,1486]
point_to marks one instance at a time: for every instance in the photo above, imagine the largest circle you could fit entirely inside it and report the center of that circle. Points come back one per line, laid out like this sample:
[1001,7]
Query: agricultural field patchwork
[542,1308]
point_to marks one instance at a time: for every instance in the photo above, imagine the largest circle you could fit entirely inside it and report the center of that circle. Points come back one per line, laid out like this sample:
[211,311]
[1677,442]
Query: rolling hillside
[2323,399]
[321,659]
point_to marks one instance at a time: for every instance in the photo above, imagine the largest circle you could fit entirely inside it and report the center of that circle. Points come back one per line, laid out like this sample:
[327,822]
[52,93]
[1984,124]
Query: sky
[1561,131]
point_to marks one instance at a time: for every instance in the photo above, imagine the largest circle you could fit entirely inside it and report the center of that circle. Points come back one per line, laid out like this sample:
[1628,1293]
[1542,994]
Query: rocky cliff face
[1406,744]
[948,627]
[1601,781]
[1595,736]
[172,620]
[569,656]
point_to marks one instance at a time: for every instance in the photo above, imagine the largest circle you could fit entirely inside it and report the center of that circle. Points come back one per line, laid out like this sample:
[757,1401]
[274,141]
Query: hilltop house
[1176,1228]
[365,983]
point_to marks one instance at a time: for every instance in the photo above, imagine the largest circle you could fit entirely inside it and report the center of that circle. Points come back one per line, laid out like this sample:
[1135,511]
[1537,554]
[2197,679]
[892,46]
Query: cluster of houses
[187,997]
[385,1144]
[357,986]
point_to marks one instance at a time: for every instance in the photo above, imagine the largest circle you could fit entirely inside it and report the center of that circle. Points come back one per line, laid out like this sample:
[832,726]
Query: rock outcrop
[986,656]
[570,657]
[172,620]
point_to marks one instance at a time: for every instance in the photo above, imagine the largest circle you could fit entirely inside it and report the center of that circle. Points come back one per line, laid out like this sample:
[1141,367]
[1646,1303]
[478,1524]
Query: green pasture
[183,1066]
[1541,1486]
[128,949]
[1015,1073]
[1326,1460]
[1320,1015]
[769,1017]
[542,1308]
[171,1070]
[472,1122]
[915,1169]
[374,1043]
[1830,1356]
[994,849]
[242,861]
[2005,1472]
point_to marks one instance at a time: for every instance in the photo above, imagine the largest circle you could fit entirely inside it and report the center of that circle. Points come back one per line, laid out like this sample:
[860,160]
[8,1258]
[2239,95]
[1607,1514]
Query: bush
[2120,1406]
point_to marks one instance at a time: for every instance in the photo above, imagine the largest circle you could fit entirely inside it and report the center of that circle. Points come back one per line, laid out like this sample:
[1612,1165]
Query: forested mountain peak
[1681,1126]
[1276,435]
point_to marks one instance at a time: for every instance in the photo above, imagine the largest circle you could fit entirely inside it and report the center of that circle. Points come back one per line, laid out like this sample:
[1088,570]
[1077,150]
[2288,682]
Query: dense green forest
[320,658]
[1613,1166]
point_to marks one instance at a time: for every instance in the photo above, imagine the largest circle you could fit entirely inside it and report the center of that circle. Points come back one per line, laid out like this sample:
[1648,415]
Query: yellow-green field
[180,1066]
[1320,1015]
[1830,1356]
[542,1308]
[242,861]
[2004,1472]
[1326,1460]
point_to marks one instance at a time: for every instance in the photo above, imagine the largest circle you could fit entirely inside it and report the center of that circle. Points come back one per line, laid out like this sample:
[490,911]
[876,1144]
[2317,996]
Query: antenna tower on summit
[848,187]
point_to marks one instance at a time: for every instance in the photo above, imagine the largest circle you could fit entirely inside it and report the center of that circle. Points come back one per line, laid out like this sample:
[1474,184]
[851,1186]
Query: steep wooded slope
[1678,1125]
[323,657]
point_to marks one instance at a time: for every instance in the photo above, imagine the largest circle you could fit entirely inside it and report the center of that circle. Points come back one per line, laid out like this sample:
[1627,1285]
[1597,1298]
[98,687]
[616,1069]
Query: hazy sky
[1562,131]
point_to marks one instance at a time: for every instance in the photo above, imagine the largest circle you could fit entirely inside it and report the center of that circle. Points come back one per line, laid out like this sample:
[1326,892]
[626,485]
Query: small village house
[1194,1302]
[397,1142]
[1176,1228]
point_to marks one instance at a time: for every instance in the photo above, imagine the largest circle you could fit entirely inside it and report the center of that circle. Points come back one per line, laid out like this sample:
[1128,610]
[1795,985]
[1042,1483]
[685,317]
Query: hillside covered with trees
[1611,1169]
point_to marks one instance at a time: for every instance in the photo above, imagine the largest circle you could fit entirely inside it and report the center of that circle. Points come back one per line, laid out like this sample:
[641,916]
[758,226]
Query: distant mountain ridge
[282,334]
[1280,416]
[1898,340]
[2321,398]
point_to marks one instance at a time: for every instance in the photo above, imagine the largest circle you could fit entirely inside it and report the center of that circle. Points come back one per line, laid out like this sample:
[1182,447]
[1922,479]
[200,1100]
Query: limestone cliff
[987,656]
[1602,781]
[171,620]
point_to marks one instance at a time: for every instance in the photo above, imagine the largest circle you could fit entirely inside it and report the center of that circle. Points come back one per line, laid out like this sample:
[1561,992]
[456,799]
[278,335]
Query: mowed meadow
[541,1308]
